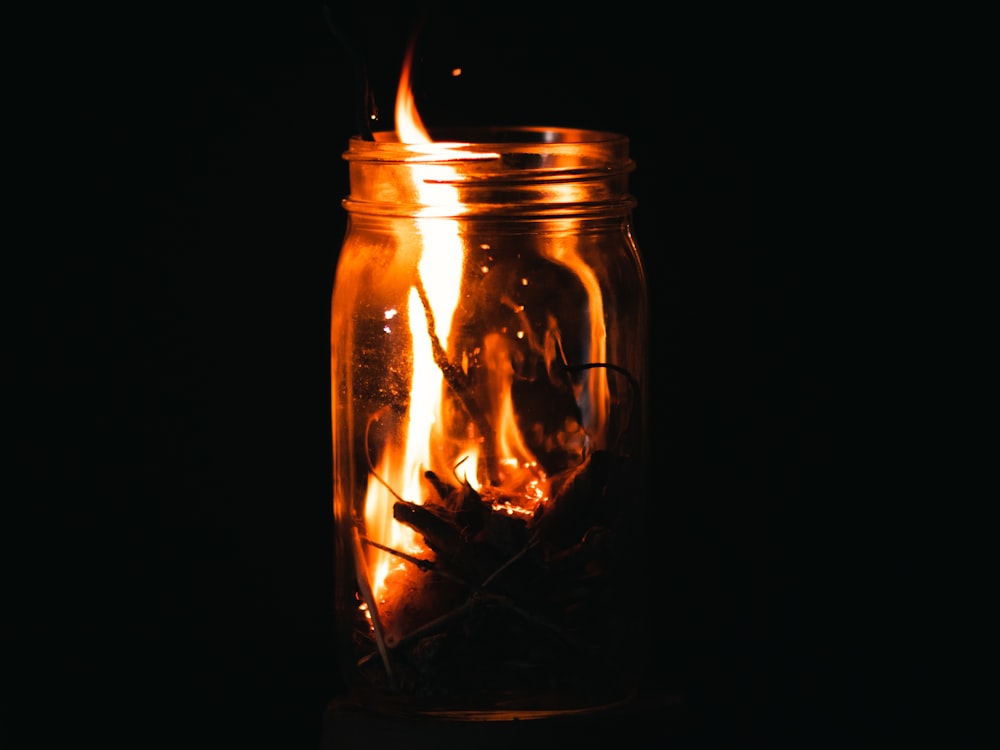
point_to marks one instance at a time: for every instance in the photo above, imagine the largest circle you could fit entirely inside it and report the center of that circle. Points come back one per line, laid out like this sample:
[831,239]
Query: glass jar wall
[488,358]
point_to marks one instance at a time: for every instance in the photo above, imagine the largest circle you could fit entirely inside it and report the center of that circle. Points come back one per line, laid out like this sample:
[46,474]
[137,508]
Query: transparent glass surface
[488,355]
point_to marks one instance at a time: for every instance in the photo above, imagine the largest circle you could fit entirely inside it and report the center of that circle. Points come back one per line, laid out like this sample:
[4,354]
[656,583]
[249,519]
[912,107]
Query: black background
[176,339]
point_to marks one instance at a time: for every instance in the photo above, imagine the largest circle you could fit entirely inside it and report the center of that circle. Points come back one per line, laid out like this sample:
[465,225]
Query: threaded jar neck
[508,170]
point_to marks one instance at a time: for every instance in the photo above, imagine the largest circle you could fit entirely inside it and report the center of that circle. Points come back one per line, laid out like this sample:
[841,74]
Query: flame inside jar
[487,354]
[430,307]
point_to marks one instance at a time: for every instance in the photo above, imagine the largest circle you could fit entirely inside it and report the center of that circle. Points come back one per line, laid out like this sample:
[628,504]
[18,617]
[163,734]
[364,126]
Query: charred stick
[418,561]
[440,535]
[471,511]
[458,383]
[424,565]
[470,559]
[463,503]
[442,488]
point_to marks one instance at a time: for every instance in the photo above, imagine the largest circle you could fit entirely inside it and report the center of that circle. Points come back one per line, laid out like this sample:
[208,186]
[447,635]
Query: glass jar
[488,355]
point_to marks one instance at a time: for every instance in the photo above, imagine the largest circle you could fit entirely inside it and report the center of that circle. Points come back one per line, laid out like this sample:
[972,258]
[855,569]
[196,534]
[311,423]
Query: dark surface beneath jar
[655,720]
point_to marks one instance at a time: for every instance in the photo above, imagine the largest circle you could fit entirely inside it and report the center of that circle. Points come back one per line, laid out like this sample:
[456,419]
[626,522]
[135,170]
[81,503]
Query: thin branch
[365,589]
[458,382]
[425,565]
[368,456]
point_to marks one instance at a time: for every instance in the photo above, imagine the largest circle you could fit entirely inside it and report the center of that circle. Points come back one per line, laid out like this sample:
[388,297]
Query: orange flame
[594,399]
[440,274]
[440,269]
[409,127]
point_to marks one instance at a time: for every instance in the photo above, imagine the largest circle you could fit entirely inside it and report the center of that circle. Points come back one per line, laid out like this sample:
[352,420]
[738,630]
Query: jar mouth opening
[500,147]
[508,134]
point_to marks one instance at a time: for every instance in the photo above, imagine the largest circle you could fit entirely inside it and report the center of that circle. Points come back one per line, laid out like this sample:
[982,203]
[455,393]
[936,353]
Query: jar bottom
[497,707]
[350,723]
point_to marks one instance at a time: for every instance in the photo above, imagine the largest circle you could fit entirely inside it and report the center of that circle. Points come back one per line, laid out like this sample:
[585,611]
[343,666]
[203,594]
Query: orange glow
[594,400]
[409,127]
[520,472]
[440,274]
[517,485]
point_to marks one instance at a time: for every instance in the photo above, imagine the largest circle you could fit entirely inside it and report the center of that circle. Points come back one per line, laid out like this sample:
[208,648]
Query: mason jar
[489,378]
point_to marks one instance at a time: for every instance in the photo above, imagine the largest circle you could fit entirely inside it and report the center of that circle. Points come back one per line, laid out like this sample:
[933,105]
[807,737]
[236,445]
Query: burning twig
[533,586]
[475,543]
[426,566]
[440,535]
[464,479]
[458,382]
[465,503]
[468,556]
[442,488]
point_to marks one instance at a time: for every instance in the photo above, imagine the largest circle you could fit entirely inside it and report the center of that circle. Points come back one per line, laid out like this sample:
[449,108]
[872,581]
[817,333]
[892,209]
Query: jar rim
[485,143]
[526,134]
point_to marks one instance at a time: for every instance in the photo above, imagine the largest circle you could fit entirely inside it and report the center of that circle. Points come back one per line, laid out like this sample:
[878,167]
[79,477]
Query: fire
[409,127]
[593,399]
[520,485]
[440,274]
